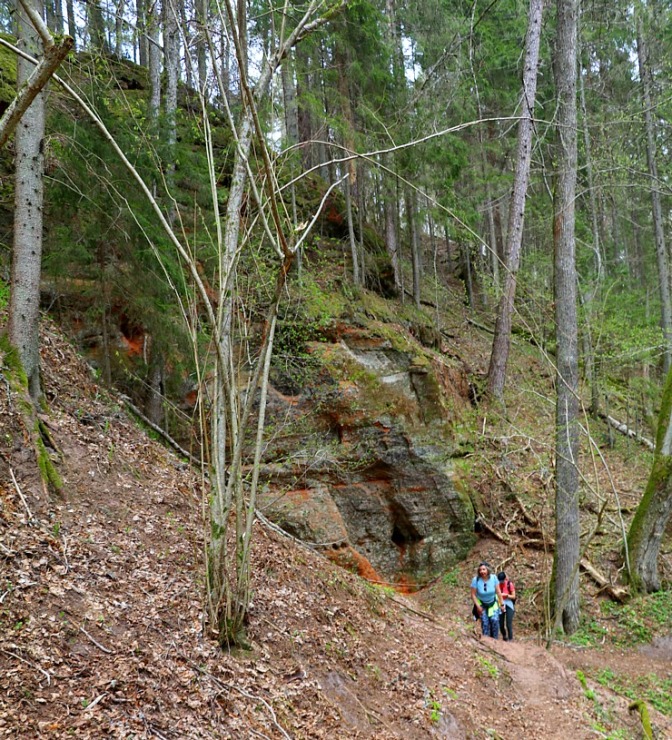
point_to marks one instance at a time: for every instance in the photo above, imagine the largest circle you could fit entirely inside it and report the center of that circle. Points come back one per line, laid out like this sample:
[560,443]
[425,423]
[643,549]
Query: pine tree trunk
[304,117]
[171,46]
[119,28]
[201,57]
[502,339]
[566,564]
[411,214]
[24,305]
[658,226]
[391,241]
[72,24]
[153,31]
[97,26]
[141,30]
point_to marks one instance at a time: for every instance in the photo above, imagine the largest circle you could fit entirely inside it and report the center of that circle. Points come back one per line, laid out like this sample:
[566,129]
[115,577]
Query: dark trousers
[506,623]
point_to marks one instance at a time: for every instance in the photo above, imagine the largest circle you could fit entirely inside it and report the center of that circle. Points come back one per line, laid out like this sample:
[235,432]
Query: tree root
[643,710]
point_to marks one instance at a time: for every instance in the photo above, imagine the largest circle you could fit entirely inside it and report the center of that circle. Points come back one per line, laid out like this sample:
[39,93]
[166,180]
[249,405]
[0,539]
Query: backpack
[509,583]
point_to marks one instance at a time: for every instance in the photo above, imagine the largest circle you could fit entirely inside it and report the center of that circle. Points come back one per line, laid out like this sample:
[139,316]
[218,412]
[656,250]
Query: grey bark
[391,241]
[97,26]
[141,32]
[411,215]
[502,339]
[171,47]
[201,58]
[119,27]
[153,28]
[24,305]
[72,24]
[659,230]
[566,565]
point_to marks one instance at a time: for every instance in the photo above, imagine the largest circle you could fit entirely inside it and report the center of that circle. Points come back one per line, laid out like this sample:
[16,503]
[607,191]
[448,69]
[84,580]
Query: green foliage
[640,619]
[656,690]
[486,667]
[589,634]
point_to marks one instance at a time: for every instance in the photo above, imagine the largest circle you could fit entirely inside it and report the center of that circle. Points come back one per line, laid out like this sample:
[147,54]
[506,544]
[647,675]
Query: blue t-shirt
[485,590]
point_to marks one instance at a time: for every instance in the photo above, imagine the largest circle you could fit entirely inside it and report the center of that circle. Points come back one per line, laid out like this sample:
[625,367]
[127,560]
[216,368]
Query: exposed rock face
[374,484]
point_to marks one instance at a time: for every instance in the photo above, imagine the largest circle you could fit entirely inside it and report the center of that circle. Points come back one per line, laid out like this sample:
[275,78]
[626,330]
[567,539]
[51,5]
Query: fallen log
[625,430]
[617,593]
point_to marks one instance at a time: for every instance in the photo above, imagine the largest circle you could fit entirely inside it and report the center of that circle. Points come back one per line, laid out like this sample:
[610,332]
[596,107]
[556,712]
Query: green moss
[11,364]
[7,71]
[661,473]
[47,469]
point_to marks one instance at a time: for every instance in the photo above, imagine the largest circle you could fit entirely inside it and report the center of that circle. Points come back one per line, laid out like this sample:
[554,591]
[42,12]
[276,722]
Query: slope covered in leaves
[101,618]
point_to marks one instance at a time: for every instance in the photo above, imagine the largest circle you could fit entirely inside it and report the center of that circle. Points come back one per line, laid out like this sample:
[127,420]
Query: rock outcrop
[364,468]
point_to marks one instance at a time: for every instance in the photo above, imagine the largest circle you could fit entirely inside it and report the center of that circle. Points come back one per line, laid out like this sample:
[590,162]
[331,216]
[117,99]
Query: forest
[392,279]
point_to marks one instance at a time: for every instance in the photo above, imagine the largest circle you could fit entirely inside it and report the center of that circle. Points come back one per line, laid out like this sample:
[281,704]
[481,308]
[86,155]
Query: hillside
[102,631]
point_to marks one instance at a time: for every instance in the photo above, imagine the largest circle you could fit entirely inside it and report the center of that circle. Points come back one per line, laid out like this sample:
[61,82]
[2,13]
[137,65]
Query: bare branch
[53,56]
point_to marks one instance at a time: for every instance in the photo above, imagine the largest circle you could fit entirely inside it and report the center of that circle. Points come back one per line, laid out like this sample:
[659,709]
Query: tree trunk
[566,564]
[201,57]
[153,29]
[411,215]
[659,230]
[141,31]
[356,272]
[24,305]
[391,241]
[653,513]
[304,117]
[97,26]
[72,24]
[171,49]
[119,28]
[502,339]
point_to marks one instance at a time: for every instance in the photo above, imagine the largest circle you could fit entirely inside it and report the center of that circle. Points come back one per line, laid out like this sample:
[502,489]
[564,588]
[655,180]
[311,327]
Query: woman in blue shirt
[488,600]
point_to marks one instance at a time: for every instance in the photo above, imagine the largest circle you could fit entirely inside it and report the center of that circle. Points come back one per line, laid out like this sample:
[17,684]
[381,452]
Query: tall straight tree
[502,339]
[662,256]
[24,305]
[567,526]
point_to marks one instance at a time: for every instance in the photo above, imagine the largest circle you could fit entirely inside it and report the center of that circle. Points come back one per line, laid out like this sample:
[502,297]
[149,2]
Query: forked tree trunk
[567,529]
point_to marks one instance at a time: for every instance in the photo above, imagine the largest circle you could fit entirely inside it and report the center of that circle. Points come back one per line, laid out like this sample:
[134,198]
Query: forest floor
[102,629]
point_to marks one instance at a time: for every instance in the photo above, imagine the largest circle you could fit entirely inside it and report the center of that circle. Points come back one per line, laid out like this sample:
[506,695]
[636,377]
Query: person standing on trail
[488,601]
[508,591]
